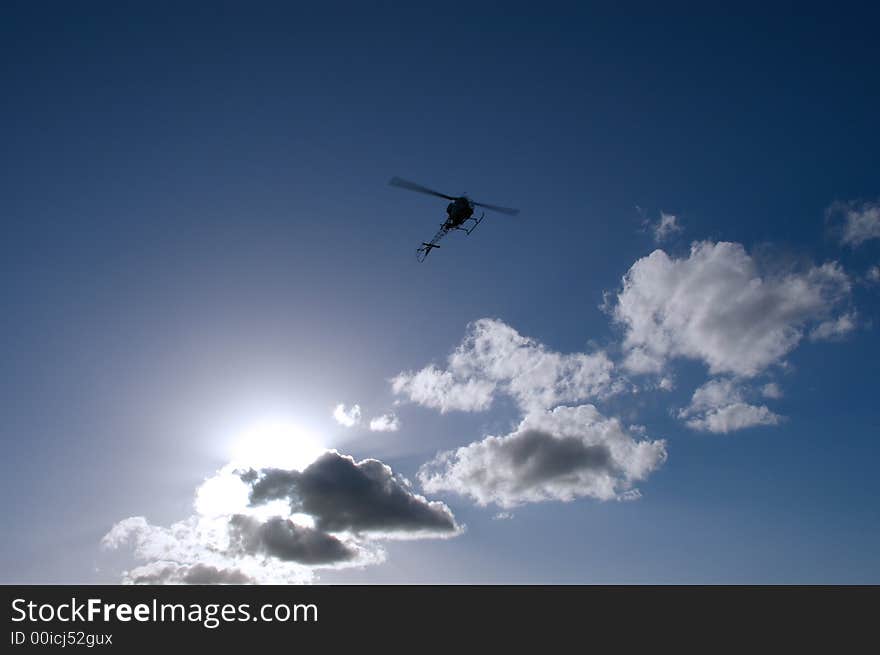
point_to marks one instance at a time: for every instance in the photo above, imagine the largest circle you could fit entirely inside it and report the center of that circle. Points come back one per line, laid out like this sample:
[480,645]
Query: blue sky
[200,239]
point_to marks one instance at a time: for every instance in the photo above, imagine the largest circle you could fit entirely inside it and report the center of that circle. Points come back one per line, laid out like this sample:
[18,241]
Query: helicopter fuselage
[458,211]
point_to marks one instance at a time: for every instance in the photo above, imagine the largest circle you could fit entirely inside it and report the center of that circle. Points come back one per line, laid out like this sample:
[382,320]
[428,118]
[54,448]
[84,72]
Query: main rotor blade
[496,208]
[412,186]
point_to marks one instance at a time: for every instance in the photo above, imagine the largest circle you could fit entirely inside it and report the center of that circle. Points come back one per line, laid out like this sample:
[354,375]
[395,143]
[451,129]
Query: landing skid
[473,227]
[428,246]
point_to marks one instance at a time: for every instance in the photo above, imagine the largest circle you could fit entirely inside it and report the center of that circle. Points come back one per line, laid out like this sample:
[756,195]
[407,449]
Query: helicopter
[458,212]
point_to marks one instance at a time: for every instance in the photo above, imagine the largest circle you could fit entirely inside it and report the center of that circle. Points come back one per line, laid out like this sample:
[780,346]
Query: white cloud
[495,358]
[771,390]
[719,406]
[737,416]
[716,305]
[666,384]
[347,417]
[563,454]
[640,360]
[442,390]
[665,227]
[873,275]
[834,328]
[859,221]
[277,526]
[385,423]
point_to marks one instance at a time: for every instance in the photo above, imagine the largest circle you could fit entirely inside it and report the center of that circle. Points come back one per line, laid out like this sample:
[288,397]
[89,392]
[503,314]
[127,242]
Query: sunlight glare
[275,444]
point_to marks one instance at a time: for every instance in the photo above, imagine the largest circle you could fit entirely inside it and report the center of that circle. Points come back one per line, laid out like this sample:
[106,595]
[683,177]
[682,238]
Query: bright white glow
[222,495]
[275,444]
[266,444]
[225,494]
[303,520]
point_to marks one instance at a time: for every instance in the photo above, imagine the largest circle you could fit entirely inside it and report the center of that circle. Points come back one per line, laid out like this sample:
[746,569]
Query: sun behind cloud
[275,443]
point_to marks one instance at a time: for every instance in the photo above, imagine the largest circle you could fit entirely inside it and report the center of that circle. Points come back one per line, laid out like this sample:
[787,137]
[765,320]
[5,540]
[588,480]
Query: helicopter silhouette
[459,212]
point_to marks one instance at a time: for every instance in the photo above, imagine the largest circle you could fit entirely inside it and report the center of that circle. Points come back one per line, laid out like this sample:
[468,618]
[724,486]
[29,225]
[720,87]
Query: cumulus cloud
[284,539]
[719,406]
[834,328]
[665,227]
[494,358]
[562,454]
[282,526]
[873,275]
[160,572]
[385,423]
[717,306]
[344,495]
[201,574]
[771,390]
[348,417]
[442,390]
[195,550]
[858,222]
[666,383]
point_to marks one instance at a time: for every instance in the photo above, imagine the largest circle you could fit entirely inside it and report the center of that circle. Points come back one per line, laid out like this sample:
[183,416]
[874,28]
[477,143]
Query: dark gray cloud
[157,574]
[338,510]
[204,574]
[171,573]
[281,538]
[567,453]
[539,456]
[344,495]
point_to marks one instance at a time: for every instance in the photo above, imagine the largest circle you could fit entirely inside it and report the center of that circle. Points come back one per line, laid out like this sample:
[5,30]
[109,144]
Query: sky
[221,361]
